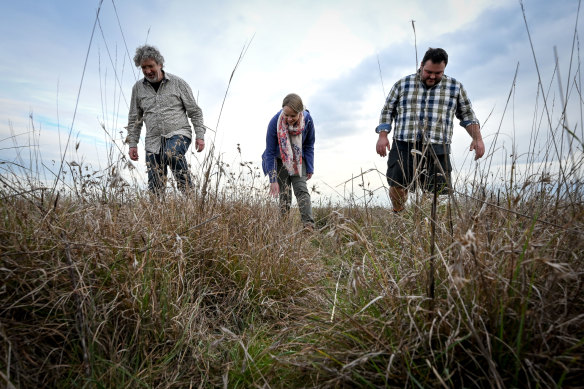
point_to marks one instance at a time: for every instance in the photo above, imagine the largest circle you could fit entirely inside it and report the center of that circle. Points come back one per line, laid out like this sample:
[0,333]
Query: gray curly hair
[146,52]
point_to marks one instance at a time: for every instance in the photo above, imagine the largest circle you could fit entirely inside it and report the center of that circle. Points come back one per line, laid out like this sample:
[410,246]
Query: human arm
[271,152]
[382,146]
[388,115]
[274,189]
[199,145]
[270,159]
[477,143]
[194,113]
[308,145]
[134,128]
[469,121]
[133,153]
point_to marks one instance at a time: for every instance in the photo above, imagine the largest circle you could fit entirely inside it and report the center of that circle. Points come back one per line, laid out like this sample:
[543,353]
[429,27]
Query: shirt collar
[164,78]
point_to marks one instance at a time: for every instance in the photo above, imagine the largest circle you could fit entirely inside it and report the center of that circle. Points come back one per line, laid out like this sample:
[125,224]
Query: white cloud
[326,51]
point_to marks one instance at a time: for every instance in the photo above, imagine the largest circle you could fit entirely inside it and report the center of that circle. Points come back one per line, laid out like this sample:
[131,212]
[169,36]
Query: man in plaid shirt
[422,108]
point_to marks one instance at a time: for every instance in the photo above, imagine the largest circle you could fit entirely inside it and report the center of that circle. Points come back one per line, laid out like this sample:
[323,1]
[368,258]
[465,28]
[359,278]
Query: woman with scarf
[289,156]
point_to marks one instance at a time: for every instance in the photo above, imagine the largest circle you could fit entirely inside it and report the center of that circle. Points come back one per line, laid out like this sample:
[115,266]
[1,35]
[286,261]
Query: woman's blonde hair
[294,102]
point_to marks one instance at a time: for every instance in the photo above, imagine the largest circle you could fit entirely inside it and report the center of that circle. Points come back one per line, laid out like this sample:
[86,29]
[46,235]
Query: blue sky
[329,52]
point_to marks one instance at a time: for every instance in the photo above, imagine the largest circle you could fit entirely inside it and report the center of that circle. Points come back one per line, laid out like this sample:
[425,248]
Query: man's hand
[477,143]
[199,145]
[274,189]
[382,144]
[308,176]
[133,153]
[479,148]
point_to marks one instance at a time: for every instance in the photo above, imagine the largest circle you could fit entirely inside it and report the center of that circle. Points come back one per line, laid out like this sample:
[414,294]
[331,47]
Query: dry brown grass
[104,286]
[107,292]
[135,291]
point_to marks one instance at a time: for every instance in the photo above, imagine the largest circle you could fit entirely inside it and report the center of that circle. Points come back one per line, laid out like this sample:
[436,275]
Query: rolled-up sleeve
[464,111]
[388,112]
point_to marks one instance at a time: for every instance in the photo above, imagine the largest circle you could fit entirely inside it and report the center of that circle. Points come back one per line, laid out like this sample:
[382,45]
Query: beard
[429,82]
[155,78]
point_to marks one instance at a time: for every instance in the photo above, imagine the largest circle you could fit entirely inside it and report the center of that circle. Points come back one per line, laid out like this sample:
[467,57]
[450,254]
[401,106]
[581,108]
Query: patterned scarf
[290,141]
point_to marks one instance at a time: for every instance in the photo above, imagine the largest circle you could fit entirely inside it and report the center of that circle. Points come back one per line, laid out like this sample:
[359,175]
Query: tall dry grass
[125,290]
[142,291]
[105,286]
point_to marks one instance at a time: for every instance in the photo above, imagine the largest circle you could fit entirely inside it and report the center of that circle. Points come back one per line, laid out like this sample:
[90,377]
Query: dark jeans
[298,183]
[172,154]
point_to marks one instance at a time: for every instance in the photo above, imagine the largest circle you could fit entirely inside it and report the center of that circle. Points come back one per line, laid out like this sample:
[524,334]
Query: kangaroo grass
[105,285]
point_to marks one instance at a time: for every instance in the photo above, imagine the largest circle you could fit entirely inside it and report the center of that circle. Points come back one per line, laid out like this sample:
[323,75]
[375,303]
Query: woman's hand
[274,189]
[308,176]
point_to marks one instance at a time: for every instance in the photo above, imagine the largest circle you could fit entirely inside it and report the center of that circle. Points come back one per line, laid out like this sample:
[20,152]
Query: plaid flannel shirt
[419,112]
[165,112]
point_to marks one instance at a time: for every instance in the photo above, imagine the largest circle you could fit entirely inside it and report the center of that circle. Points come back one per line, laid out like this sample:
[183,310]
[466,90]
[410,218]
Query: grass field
[103,286]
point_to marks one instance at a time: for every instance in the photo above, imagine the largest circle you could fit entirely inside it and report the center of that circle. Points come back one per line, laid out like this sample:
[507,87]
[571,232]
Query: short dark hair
[436,56]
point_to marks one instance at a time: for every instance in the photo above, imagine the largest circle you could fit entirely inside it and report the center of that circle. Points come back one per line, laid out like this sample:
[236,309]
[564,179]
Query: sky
[68,75]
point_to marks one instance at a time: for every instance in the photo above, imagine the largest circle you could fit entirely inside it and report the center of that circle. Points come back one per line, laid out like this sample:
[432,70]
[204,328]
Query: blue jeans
[172,154]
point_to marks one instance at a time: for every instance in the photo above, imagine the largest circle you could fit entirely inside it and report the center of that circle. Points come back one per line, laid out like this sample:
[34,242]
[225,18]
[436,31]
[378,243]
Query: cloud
[483,55]
[327,51]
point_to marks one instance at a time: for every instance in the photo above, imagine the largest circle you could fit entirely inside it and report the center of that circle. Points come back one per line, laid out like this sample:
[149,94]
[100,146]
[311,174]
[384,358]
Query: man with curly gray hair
[164,102]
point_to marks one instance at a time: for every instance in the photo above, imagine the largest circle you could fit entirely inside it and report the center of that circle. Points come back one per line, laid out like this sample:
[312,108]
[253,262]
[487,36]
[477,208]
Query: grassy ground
[112,289]
[102,286]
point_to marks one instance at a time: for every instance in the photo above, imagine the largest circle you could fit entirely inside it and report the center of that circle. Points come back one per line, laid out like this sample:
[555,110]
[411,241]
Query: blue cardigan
[273,148]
